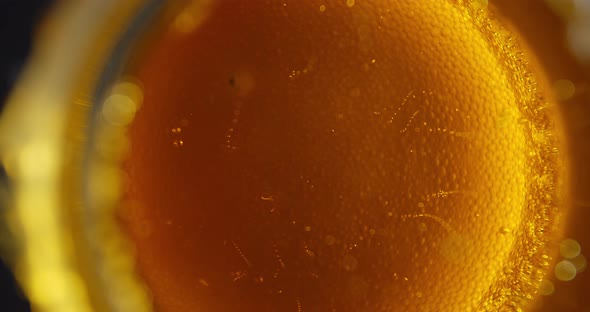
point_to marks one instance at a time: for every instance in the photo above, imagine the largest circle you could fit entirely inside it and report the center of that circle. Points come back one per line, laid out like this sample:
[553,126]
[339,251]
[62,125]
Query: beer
[342,156]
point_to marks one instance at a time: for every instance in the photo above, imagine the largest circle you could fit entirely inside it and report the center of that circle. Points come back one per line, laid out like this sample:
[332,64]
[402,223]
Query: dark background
[18,20]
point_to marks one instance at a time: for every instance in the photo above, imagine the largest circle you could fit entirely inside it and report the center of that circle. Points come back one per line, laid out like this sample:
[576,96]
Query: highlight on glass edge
[302,155]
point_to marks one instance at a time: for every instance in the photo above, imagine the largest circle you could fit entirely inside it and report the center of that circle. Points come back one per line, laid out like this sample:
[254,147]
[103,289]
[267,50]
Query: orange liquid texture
[340,156]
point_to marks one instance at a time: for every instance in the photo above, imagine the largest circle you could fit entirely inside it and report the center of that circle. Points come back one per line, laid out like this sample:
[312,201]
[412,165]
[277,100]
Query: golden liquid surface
[341,156]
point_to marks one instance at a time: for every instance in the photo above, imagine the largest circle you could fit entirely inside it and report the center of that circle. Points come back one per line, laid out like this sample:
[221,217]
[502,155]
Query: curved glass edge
[115,101]
[57,256]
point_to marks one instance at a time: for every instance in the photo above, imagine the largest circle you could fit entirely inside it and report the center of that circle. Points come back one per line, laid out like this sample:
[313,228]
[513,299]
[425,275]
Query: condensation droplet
[322,8]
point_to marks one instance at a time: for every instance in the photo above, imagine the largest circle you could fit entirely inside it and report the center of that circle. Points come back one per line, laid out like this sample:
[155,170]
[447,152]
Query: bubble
[565,271]
[580,263]
[547,288]
[119,109]
[330,240]
[564,89]
[178,143]
[569,248]
[130,89]
[422,227]
[111,144]
[349,263]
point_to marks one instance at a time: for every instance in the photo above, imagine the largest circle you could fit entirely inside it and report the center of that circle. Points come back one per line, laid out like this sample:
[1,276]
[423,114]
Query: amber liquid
[297,156]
